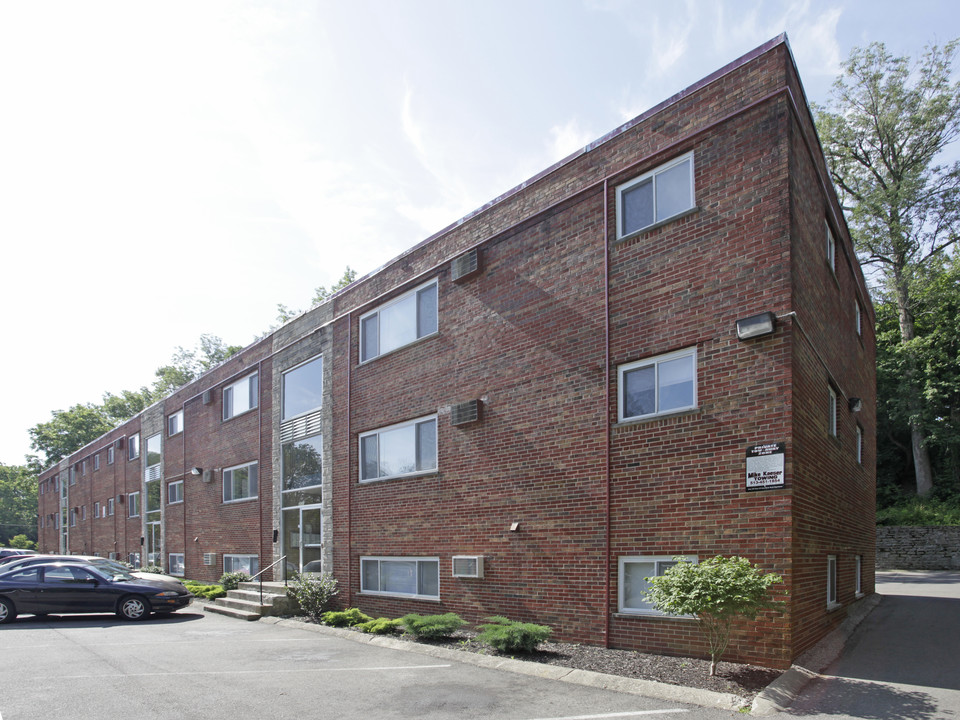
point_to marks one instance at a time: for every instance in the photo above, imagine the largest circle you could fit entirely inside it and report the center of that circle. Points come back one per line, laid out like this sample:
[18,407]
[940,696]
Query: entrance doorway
[303,539]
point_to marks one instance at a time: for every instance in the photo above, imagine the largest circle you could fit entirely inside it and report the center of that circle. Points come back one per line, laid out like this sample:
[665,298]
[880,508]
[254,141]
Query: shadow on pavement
[870,701]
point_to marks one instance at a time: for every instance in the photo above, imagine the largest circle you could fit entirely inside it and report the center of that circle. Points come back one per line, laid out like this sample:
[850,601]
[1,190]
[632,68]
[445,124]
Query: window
[133,447]
[659,385]
[240,483]
[110,455]
[110,507]
[175,423]
[134,559]
[73,517]
[250,564]
[83,467]
[302,470]
[831,411]
[406,577]
[96,510]
[83,512]
[133,505]
[175,564]
[831,249]
[397,450]
[859,445]
[96,461]
[73,474]
[303,388]
[858,578]
[831,581]
[240,397]
[400,322]
[154,456]
[858,317]
[656,196]
[175,492]
[633,575]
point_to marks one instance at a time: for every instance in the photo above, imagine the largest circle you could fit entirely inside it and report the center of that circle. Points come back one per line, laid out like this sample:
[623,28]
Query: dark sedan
[69,587]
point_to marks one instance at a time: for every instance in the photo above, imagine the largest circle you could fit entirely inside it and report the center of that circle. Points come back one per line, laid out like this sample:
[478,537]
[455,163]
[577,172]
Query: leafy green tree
[22,542]
[323,293]
[716,592]
[884,134]
[118,408]
[66,432]
[187,365]
[18,503]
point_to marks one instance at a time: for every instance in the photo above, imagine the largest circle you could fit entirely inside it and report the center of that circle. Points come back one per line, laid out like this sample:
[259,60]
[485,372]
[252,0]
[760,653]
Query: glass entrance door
[303,539]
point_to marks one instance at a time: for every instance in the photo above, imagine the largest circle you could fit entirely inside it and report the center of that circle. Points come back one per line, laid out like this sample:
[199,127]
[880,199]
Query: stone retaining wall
[918,548]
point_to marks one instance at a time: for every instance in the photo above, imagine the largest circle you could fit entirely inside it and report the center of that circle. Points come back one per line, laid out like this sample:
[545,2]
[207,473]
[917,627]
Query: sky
[179,168]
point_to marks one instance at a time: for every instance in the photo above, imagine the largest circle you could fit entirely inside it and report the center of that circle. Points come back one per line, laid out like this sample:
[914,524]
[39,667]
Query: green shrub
[429,627]
[921,511]
[232,580]
[510,637]
[313,593]
[155,569]
[380,626]
[205,590]
[344,618]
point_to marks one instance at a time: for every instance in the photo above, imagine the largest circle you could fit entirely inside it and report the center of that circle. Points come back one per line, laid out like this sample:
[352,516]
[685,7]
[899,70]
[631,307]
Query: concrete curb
[781,693]
[646,688]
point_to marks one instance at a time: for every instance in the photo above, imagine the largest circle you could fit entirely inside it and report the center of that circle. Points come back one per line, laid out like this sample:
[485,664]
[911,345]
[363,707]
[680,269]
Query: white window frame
[368,354]
[831,249]
[859,444]
[96,510]
[652,177]
[832,582]
[831,411]
[248,387]
[252,562]
[109,508]
[858,578]
[133,446]
[175,497]
[175,423]
[175,564]
[73,517]
[110,455]
[96,461]
[858,317]
[660,564]
[133,505]
[417,580]
[253,489]
[283,388]
[656,361]
[398,426]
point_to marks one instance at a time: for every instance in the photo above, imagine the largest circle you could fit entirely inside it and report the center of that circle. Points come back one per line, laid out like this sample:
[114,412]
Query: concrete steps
[245,602]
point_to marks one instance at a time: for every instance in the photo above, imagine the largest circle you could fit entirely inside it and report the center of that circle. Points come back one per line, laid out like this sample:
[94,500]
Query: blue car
[58,588]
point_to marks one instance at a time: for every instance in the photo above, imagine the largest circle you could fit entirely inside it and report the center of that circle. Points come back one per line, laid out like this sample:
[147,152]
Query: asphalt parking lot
[208,666]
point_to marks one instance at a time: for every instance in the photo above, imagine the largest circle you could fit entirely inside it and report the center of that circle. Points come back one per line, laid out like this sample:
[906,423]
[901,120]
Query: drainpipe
[349,481]
[606,415]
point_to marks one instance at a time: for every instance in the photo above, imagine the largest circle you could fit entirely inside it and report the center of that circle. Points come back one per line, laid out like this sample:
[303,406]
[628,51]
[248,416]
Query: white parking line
[252,672]
[635,713]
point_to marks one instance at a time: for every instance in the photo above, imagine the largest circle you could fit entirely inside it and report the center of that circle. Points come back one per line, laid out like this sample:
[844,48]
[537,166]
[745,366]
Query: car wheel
[133,607]
[7,611]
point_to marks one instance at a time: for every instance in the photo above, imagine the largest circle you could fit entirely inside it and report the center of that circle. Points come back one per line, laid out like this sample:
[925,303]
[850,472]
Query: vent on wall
[465,412]
[207,397]
[209,558]
[119,443]
[466,265]
[207,475]
[468,566]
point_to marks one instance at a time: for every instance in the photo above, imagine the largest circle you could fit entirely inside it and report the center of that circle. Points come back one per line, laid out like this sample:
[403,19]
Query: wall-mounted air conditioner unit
[468,566]
[465,412]
[466,265]
[209,558]
[207,397]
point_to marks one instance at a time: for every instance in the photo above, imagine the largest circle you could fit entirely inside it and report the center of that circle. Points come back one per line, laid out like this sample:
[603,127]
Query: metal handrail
[259,574]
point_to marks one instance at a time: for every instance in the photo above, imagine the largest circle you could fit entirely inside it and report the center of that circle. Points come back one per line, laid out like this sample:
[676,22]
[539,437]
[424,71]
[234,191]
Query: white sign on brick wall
[765,466]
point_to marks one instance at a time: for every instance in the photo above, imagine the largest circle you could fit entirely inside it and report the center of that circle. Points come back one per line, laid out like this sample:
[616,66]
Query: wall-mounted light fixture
[196,471]
[515,526]
[756,325]
[855,404]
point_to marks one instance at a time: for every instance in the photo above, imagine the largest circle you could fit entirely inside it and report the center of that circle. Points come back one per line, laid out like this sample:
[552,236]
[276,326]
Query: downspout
[349,481]
[606,414]
[260,461]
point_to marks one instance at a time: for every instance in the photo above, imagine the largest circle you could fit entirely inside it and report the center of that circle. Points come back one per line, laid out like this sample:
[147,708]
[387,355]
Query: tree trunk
[921,455]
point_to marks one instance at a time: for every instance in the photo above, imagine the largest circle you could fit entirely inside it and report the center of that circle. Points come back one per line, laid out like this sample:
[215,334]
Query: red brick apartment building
[662,345]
